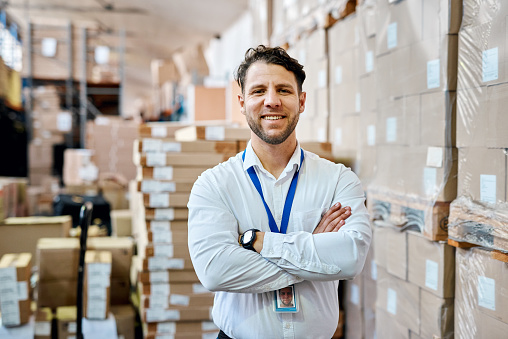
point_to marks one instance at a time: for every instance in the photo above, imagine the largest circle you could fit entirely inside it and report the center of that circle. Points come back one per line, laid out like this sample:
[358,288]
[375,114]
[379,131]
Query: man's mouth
[273,117]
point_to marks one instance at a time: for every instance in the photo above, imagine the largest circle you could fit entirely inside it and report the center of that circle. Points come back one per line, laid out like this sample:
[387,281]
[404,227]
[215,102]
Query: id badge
[285,300]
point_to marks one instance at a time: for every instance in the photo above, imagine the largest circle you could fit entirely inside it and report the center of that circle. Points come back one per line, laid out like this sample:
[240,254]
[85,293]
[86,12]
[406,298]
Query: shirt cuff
[272,245]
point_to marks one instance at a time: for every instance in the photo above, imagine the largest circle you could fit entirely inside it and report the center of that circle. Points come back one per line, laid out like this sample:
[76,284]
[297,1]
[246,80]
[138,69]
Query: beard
[255,126]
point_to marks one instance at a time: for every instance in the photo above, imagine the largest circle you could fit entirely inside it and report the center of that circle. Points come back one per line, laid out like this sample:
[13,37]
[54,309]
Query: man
[283,205]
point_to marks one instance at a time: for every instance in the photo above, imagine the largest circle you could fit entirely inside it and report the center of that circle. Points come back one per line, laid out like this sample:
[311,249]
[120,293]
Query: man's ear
[241,101]
[302,99]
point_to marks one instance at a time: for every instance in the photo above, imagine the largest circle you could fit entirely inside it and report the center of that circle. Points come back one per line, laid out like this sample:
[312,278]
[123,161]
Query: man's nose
[272,98]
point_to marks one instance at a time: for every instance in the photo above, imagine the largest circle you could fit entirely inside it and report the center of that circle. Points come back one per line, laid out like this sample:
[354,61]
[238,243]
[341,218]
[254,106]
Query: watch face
[247,236]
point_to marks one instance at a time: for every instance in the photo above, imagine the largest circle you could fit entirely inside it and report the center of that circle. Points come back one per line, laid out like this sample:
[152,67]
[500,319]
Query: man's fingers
[333,219]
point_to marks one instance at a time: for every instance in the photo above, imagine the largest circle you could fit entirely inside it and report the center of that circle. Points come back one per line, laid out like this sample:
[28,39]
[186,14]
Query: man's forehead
[256,71]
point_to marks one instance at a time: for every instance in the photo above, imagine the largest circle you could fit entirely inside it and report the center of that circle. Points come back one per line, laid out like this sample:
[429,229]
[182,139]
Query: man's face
[271,102]
[286,296]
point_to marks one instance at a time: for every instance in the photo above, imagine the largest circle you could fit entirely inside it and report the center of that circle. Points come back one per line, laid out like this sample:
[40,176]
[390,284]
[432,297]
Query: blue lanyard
[289,198]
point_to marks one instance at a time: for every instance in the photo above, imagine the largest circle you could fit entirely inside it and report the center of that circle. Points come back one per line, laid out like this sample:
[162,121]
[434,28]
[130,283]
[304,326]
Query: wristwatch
[248,238]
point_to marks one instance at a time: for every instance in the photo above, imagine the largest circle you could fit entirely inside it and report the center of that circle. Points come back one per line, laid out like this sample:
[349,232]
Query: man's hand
[333,219]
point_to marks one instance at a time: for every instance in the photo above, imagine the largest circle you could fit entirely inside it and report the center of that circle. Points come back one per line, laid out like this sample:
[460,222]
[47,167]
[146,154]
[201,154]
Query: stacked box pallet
[415,285]
[50,123]
[171,299]
[416,77]
[13,197]
[15,272]
[478,217]
[111,139]
[310,51]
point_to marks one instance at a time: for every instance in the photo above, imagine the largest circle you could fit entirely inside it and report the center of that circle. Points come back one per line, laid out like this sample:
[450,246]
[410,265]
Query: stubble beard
[255,126]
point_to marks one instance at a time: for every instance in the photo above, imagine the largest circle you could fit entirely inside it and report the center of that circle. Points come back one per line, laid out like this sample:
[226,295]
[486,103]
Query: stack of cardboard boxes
[13,197]
[50,123]
[478,216]
[171,299]
[15,272]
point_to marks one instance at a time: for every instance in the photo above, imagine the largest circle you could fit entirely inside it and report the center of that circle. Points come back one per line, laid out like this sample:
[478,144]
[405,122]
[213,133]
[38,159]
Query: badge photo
[285,300]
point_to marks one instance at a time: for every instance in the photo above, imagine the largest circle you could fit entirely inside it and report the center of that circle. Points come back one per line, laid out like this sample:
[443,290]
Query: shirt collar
[251,158]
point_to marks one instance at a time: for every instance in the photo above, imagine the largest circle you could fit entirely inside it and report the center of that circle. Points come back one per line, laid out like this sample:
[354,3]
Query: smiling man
[275,216]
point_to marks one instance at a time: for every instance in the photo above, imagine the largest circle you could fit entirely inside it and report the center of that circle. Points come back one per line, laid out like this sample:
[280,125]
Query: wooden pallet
[495,254]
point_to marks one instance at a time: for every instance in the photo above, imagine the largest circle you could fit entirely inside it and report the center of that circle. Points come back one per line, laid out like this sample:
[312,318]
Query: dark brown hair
[269,55]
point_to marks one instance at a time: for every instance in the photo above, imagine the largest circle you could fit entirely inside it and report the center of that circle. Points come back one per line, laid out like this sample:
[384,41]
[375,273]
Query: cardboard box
[147,145]
[167,225]
[31,229]
[397,122]
[165,289]
[125,318]
[215,132]
[168,276]
[197,313]
[482,174]
[165,130]
[438,119]
[380,245]
[156,186]
[66,322]
[97,285]
[179,327]
[170,172]
[168,214]
[191,159]
[163,263]
[399,300]
[121,223]
[43,323]
[165,200]
[167,250]
[397,254]
[168,237]
[15,271]
[190,300]
[436,316]
[387,327]
[353,307]
[431,265]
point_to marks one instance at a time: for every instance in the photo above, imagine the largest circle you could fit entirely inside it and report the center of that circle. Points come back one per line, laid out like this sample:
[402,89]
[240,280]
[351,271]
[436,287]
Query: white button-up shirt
[224,203]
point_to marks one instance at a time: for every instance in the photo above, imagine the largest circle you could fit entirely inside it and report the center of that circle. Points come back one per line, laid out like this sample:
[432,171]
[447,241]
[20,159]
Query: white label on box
[169,327]
[156,263]
[177,299]
[48,47]
[391,129]
[322,79]
[208,326]
[435,157]
[338,75]
[159,277]
[369,61]
[165,336]
[167,186]
[391,302]
[101,55]
[172,315]
[158,302]
[209,336]
[71,327]
[159,200]
[163,250]
[102,121]
[358,102]
[488,188]
[89,172]
[163,173]
[42,328]
[430,181]
[198,288]
[371,135]
[149,186]
[433,74]
[64,121]
[321,134]
[155,314]
[391,38]
[175,264]
[10,313]
[157,226]
[373,270]
[96,309]
[164,214]
[490,64]
[22,290]
[151,145]
[171,147]
[162,237]
[96,292]
[7,275]
[338,136]
[431,274]
[487,293]
[160,289]
[215,133]
[159,132]
[355,294]
[156,159]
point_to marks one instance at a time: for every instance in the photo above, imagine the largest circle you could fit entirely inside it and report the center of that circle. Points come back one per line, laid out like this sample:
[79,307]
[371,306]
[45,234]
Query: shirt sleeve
[220,263]
[326,256]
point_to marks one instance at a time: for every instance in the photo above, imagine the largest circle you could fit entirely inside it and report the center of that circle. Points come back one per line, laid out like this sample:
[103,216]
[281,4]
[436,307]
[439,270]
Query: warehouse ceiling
[153,28]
